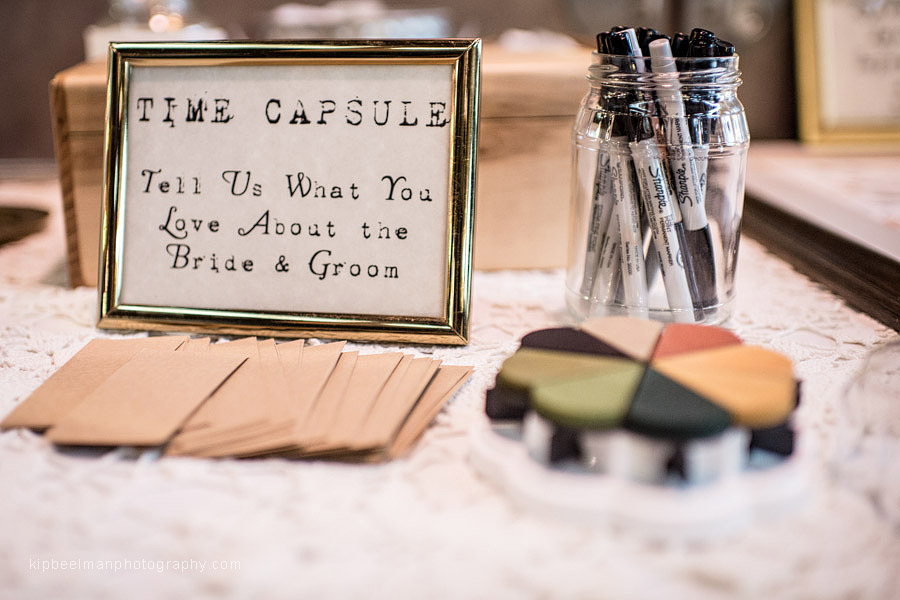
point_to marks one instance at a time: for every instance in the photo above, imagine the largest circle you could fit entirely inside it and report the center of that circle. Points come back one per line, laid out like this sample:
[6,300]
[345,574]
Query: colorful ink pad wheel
[657,409]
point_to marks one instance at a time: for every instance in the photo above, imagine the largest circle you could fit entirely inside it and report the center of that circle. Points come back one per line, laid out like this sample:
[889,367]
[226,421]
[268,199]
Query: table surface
[428,525]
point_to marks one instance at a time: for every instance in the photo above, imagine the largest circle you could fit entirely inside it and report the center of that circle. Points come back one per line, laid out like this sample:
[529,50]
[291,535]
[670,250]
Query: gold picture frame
[311,189]
[844,94]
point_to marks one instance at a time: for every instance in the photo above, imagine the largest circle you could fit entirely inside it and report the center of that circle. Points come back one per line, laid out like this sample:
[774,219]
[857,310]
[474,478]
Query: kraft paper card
[241,398]
[130,409]
[80,375]
[271,404]
[289,353]
[325,412]
[389,412]
[317,364]
[445,383]
[374,374]
[232,406]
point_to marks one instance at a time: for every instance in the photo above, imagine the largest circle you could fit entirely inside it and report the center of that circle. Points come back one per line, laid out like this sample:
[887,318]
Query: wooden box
[528,106]
[78,106]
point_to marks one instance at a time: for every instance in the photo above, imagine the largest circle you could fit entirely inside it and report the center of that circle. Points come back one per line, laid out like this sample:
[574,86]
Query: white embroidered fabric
[117,524]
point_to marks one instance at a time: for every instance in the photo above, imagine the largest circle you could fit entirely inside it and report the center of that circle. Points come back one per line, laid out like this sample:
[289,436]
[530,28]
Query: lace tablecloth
[113,525]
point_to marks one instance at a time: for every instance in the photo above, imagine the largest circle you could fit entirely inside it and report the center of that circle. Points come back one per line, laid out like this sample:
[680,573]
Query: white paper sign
[313,187]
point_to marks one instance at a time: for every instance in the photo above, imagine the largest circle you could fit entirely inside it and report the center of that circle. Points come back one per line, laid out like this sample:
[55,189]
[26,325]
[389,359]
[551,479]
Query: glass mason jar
[659,160]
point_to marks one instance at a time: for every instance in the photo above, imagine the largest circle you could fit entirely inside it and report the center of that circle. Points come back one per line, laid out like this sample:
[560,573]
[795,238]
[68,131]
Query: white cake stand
[666,512]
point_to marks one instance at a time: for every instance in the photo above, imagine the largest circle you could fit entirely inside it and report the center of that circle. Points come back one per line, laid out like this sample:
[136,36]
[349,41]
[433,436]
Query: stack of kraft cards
[241,398]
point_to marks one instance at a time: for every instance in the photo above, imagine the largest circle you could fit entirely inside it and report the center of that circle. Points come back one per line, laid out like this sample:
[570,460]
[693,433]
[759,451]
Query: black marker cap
[702,43]
[603,45]
[603,42]
[698,33]
[680,43]
[702,48]
[617,43]
[724,48]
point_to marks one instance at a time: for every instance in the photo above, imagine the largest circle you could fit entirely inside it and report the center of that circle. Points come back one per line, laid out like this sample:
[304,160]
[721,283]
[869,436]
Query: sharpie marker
[665,223]
[604,283]
[631,247]
[626,226]
[684,173]
[701,43]
[662,210]
[599,278]
[606,277]
[623,45]
[598,225]
[704,44]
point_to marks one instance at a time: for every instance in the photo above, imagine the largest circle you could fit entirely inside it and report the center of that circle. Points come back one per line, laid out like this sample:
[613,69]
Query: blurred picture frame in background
[848,70]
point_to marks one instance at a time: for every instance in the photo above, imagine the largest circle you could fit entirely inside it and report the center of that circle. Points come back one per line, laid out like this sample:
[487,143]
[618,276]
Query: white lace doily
[427,526]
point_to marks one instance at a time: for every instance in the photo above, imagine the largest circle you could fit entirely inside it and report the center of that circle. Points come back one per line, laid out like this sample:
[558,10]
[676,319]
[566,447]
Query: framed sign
[319,189]
[848,70]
